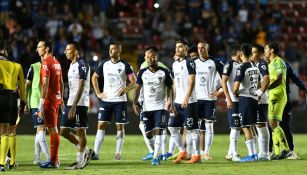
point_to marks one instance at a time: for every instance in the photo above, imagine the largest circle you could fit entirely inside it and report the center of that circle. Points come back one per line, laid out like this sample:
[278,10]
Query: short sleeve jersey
[51,68]
[79,71]
[207,78]
[181,70]
[114,78]
[154,87]
[264,70]
[248,76]
[277,67]
[230,70]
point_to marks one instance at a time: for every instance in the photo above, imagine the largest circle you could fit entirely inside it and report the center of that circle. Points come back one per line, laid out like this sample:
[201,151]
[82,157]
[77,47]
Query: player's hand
[185,103]
[41,108]
[229,104]
[102,96]
[258,93]
[21,108]
[136,109]
[72,112]
[215,94]
[122,92]
[26,109]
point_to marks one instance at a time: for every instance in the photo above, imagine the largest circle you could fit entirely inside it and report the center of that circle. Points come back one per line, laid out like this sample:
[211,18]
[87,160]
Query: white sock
[37,147]
[146,140]
[233,145]
[157,146]
[163,141]
[99,140]
[195,142]
[208,137]
[263,140]
[250,146]
[188,142]
[255,145]
[43,144]
[119,141]
[175,133]
[80,157]
[171,145]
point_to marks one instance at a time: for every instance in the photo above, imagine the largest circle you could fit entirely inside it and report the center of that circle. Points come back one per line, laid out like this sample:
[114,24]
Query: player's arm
[169,91]
[238,79]
[28,85]
[295,78]
[189,90]
[136,104]
[226,92]
[95,84]
[266,80]
[277,82]
[45,73]
[22,93]
[131,78]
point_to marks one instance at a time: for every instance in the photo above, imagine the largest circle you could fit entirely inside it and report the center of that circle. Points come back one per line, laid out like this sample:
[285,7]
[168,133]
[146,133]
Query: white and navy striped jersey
[154,87]
[207,78]
[248,75]
[264,70]
[181,70]
[230,70]
[114,76]
[79,70]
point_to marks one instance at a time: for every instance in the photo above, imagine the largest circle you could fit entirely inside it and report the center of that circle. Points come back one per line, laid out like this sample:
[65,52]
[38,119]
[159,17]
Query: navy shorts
[80,120]
[262,116]
[185,116]
[233,116]
[154,119]
[36,121]
[248,111]
[206,113]
[119,109]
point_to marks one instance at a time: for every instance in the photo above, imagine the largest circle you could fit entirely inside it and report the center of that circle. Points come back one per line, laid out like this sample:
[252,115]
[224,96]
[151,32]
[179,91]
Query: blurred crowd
[95,23]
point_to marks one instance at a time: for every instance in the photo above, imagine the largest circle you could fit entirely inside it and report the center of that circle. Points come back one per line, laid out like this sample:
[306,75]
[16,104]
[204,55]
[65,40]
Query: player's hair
[204,42]
[259,48]
[116,43]
[192,48]
[246,49]
[275,46]
[152,49]
[75,45]
[48,43]
[234,49]
[182,41]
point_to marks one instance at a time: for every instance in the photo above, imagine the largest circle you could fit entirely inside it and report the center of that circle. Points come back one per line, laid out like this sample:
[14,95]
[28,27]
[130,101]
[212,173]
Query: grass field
[134,149]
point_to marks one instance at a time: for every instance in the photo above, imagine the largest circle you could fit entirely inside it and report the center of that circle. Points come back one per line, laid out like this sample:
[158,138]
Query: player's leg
[104,117]
[149,142]
[149,126]
[66,126]
[51,121]
[191,120]
[263,132]
[120,112]
[12,132]
[209,121]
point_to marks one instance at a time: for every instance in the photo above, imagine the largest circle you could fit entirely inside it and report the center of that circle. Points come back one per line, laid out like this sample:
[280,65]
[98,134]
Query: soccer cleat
[236,158]
[2,168]
[228,157]
[7,160]
[15,165]
[37,161]
[73,166]
[181,156]
[194,159]
[285,154]
[117,156]
[165,156]
[95,157]
[155,161]
[274,157]
[207,157]
[264,158]
[252,158]
[49,164]
[149,156]
[87,157]
[293,156]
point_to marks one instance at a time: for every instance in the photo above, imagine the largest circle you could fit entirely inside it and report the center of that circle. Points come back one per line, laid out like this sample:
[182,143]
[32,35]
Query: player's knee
[174,130]
[64,132]
[149,135]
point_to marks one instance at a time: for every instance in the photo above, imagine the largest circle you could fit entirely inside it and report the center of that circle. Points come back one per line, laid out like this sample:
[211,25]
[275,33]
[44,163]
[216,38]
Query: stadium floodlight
[156,5]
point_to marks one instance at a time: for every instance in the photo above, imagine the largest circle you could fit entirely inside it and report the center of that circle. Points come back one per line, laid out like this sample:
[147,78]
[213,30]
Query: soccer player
[51,98]
[115,73]
[157,86]
[11,74]
[286,123]
[277,100]
[246,81]
[185,103]
[75,113]
[262,118]
[207,88]
[228,77]
[150,141]
[33,96]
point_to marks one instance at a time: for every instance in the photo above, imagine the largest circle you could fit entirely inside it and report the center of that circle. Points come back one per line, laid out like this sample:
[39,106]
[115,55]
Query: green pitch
[134,148]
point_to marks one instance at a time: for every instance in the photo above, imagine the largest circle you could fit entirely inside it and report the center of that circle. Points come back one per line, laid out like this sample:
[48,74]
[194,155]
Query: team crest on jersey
[192,65]
[202,79]
[210,67]
[119,70]
[238,72]
[263,67]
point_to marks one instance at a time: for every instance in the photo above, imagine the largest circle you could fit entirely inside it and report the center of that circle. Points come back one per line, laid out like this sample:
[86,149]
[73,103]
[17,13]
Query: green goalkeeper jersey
[277,67]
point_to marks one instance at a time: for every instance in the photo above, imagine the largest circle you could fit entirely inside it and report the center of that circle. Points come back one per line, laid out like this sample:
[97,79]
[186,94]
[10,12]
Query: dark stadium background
[96,23]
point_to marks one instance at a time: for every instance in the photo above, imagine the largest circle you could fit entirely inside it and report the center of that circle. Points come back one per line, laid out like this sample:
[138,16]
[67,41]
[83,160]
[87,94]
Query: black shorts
[248,111]
[80,120]
[233,116]
[185,116]
[6,106]
[119,109]
[14,114]
[154,120]
[262,116]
